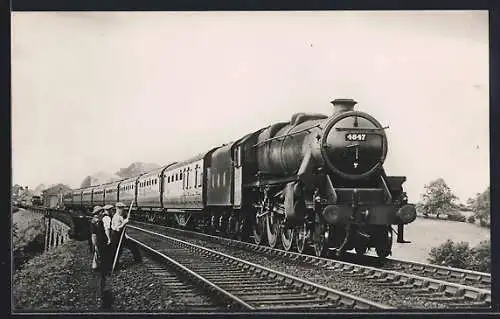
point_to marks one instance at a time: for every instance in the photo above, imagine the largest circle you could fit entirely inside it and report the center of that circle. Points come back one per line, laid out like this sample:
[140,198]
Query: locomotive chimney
[343,105]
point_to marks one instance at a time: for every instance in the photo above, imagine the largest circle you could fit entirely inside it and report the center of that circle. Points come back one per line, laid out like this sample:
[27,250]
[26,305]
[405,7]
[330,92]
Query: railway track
[454,275]
[183,290]
[244,285]
[451,287]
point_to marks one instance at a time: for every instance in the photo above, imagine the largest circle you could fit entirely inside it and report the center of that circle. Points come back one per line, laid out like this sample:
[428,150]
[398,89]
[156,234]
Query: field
[425,234]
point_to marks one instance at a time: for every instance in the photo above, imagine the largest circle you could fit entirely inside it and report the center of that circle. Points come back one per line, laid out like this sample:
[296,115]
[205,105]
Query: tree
[87,181]
[481,207]
[471,201]
[437,198]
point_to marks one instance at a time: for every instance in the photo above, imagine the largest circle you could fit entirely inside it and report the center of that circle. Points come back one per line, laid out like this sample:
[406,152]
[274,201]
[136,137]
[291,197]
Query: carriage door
[237,177]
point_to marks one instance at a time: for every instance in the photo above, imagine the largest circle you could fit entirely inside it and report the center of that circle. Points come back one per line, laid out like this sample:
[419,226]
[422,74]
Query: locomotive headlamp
[406,214]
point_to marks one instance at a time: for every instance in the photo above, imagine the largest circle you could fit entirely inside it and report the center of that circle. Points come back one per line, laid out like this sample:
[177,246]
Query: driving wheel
[287,235]
[272,227]
[319,238]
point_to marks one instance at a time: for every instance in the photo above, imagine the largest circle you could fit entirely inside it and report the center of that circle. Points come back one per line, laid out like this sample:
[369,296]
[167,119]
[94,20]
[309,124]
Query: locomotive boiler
[321,179]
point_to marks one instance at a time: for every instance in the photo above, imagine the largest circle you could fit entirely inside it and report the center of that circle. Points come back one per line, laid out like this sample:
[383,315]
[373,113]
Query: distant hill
[99,178]
[133,169]
[136,168]
[102,178]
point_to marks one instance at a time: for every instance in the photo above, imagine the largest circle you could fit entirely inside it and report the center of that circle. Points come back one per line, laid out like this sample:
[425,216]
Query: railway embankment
[28,236]
[61,280]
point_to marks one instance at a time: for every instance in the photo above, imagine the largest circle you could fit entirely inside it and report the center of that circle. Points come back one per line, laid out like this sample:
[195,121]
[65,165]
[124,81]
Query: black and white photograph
[230,162]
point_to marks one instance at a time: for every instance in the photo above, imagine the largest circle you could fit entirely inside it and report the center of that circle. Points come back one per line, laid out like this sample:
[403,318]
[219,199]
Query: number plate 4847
[355,137]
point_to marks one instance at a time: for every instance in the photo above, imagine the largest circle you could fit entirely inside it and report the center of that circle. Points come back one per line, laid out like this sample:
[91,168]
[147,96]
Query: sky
[96,91]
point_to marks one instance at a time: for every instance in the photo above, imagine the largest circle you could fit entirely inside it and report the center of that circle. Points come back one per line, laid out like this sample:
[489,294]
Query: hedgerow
[461,255]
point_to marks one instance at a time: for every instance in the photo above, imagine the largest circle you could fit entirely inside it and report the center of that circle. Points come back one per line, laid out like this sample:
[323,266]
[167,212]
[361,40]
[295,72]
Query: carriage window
[238,156]
[196,176]
[186,178]
[224,179]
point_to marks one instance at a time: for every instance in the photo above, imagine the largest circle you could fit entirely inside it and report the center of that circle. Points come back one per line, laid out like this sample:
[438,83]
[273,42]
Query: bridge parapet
[60,225]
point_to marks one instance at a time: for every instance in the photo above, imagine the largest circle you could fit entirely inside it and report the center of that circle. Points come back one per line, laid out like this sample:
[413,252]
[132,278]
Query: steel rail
[345,299]
[206,282]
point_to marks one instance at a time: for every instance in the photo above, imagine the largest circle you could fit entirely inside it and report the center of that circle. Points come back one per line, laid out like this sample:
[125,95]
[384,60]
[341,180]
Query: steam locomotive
[310,184]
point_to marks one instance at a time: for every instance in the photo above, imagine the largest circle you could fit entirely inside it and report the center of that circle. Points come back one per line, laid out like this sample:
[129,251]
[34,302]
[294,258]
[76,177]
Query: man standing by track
[101,225]
[94,232]
[117,224]
[105,239]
